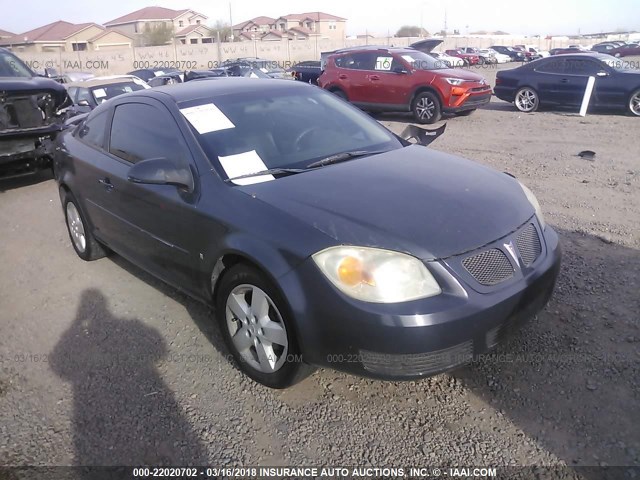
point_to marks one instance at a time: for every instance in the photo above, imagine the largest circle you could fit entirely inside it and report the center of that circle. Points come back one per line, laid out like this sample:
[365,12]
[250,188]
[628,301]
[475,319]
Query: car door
[548,80]
[389,85]
[353,75]
[577,73]
[153,225]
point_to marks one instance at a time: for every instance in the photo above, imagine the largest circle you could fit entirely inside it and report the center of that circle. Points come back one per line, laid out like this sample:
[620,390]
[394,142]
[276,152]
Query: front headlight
[375,275]
[534,201]
[454,81]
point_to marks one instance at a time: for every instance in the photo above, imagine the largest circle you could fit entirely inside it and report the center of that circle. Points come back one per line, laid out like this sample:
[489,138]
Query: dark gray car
[321,238]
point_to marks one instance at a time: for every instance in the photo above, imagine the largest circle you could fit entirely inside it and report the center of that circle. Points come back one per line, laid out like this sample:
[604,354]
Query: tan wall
[204,56]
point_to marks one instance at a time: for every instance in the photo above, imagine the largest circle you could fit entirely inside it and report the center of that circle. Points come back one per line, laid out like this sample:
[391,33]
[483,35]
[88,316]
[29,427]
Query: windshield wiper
[270,171]
[341,157]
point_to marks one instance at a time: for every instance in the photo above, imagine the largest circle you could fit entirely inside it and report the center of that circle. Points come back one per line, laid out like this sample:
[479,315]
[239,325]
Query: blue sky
[532,17]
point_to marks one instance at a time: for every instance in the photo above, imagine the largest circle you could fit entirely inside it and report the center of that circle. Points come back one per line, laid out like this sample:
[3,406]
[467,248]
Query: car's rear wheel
[83,241]
[527,100]
[257,328]
[618,55]
[634,103]
[339,93]
[465,113]
[426,108]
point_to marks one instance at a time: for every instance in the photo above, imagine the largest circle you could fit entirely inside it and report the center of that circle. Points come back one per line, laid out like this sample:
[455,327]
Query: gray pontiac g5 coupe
[319,237]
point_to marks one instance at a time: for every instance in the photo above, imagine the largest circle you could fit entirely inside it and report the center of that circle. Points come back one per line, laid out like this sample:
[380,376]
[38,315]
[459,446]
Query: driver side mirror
[160,171]
[602,74]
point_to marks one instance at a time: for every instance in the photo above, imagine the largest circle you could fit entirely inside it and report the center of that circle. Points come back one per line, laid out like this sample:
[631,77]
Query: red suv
[403,80]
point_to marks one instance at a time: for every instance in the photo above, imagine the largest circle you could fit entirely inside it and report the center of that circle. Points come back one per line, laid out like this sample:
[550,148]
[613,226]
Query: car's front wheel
[258,329]
[83,241]
[426,108]
[527,100]
[634,103]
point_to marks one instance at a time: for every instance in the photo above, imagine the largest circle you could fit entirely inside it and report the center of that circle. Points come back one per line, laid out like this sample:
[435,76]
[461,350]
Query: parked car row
[616,49]
[561,80]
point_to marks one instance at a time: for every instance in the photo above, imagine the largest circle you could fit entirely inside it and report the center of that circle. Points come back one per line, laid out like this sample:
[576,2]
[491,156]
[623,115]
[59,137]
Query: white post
[587,96]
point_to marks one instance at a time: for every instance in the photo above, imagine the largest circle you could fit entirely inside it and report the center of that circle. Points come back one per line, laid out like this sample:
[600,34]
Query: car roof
[108,80]
[184,92]
[587,53]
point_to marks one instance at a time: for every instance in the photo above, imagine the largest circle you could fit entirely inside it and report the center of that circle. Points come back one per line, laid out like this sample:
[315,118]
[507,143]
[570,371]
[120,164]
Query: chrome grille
[420,363]
[529,245]
[489,267]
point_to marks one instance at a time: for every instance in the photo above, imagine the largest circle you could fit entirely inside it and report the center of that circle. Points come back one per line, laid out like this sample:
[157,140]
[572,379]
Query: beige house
[296,26]
[64,36]
[184,22]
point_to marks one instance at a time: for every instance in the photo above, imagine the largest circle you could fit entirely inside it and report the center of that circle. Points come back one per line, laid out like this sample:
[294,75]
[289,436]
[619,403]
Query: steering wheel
[303,136]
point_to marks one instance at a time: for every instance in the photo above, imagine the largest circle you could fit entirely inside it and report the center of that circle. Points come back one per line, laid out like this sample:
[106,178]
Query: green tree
[223,28]
[411,31]
[159,34]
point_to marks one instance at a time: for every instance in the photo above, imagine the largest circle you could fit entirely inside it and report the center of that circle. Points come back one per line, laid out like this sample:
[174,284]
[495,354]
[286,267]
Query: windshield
[11,66]
[105,92]
[422,61]
[286,129]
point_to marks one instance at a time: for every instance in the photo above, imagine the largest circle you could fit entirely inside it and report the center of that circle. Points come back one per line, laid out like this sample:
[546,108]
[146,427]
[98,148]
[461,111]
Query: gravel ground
[100,364]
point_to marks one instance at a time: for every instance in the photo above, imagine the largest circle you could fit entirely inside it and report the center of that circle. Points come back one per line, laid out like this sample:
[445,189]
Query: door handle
[564,80]
[374,77]
[106,183]
[342,76]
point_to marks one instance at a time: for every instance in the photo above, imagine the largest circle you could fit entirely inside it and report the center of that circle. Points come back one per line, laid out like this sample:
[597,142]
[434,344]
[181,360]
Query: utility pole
[445,20]
[231,22]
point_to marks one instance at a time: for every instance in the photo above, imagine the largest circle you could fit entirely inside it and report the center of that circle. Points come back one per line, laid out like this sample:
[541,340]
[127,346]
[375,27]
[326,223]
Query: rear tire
[82,240]
[527,100]
[340,94]
[258,328]
[426,108]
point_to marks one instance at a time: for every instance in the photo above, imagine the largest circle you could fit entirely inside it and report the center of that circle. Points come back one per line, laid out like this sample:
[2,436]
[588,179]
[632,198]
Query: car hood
[426,45]
[17,85]
[417,200]
[460,73]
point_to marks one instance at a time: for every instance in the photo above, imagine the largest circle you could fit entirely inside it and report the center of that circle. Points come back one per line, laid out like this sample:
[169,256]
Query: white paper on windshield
[207,118]
[158,73]
[253,75]
[384,63]
[99,92]
[244,164]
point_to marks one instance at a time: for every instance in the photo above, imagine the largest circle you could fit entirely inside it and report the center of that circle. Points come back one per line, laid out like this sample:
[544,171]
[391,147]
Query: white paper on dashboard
[207,118]
[243,164]
[99,92]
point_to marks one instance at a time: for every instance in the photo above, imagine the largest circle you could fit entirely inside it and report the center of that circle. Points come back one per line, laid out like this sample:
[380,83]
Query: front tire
[258,329]
[527,100]
[634,104]
[82,240]
[426,108]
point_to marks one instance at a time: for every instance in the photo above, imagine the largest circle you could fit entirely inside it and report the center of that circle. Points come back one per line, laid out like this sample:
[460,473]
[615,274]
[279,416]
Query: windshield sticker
[99,93]
[384,63]
[245,164]
[207,118]
[158,73]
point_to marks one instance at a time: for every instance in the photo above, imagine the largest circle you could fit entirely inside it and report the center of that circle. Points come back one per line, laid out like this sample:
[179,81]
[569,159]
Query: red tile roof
[53,32]
[313,16]
[189,29]
[107,32]
[4,33]
[258,21]
[303,30]
[149,13]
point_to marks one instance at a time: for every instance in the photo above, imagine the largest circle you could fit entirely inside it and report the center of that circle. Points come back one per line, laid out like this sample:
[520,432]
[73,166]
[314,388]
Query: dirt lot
[102,364]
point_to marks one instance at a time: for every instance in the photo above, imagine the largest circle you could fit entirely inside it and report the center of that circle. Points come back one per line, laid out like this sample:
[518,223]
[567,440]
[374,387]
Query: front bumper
[420,338]
[468,101]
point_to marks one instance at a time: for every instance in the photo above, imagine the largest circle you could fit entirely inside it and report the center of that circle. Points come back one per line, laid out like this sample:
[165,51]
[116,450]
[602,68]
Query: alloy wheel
[256,328]
[634,103]
[76,227]
[425,108]
[526,100]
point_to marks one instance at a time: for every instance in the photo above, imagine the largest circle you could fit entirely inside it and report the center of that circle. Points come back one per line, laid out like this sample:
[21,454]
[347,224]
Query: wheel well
[422,90]
[227,261]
